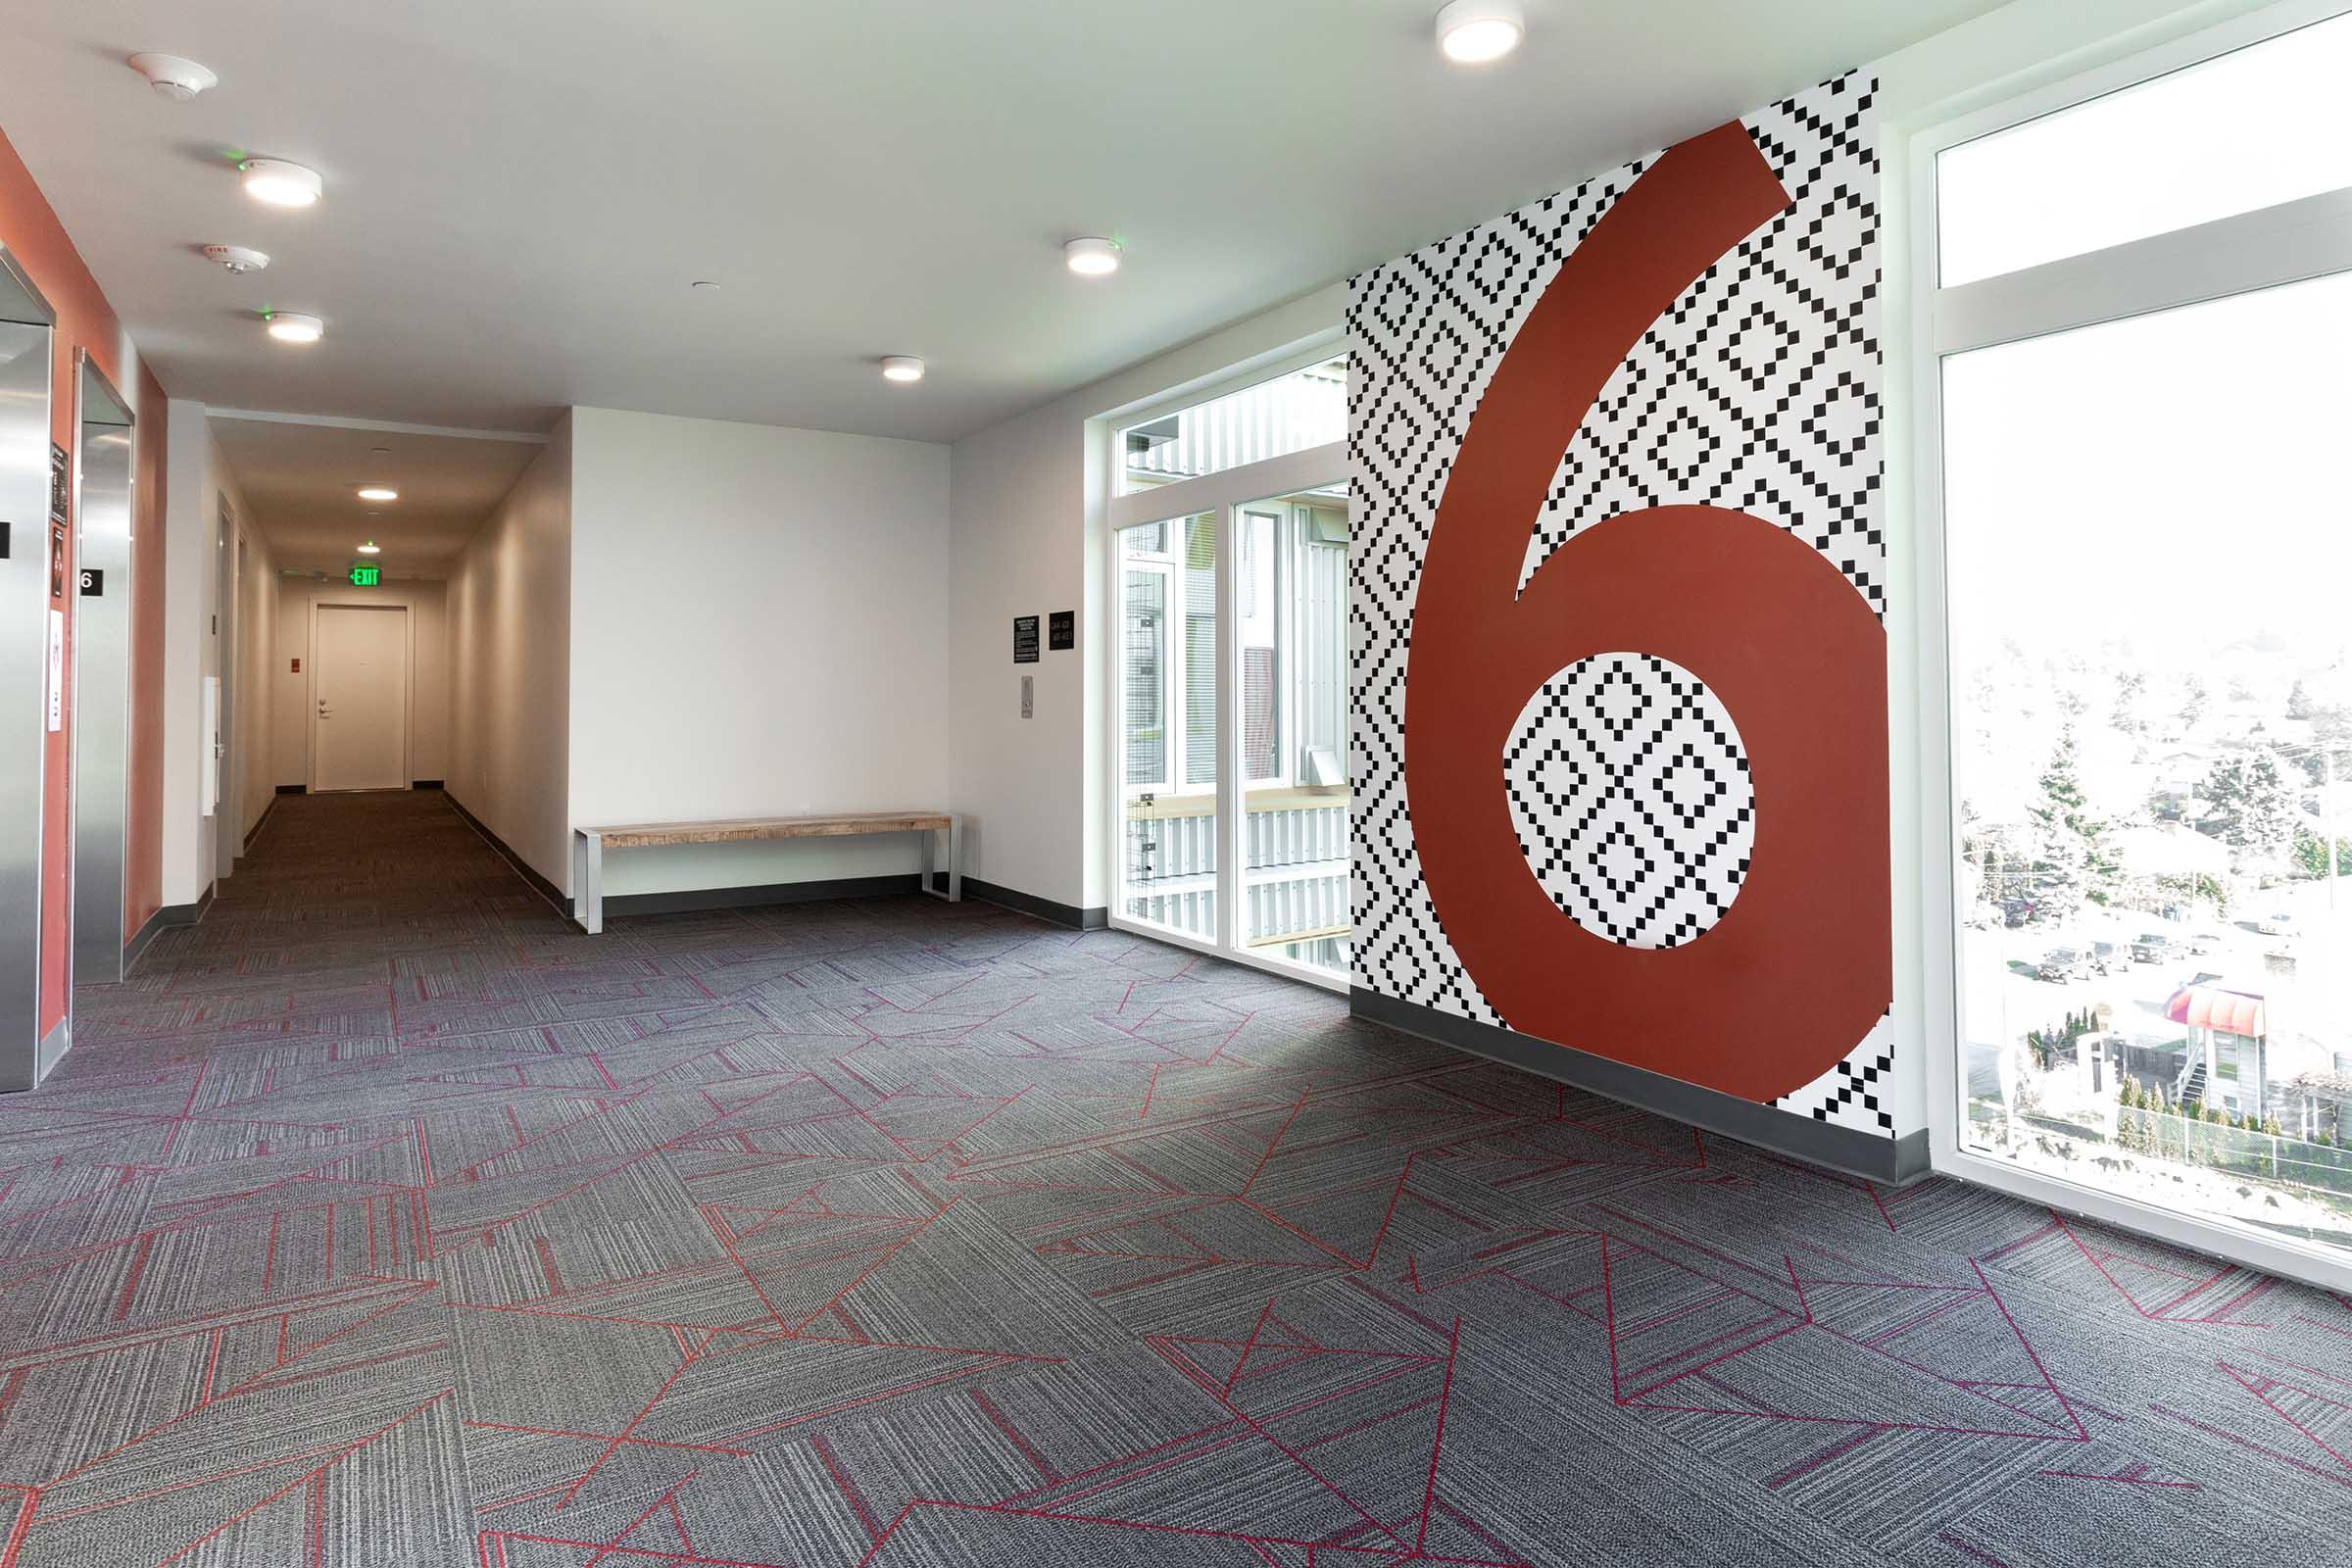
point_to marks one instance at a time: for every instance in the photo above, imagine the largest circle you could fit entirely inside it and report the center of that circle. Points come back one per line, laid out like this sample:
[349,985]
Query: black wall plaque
[93,582]
[1061,629]
[61,487]
[1024,639]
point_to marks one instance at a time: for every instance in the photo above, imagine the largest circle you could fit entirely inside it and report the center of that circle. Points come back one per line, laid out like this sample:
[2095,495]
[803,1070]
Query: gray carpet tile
[382,1218]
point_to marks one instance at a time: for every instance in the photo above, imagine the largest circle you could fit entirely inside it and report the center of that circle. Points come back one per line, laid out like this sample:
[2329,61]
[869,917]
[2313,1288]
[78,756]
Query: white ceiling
[519,194]
[298,482]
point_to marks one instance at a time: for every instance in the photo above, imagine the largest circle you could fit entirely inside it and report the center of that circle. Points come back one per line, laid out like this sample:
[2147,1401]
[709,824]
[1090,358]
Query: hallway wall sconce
[280,183]
[287,326]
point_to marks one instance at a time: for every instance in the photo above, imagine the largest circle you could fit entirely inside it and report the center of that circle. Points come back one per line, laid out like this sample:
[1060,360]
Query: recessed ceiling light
[381,452]
[371,548]
[280,183]
[173,77]
[1475,32]
[902,368]
[377,492]
[288,327]
[236,258]
[1092,256]
[706,285]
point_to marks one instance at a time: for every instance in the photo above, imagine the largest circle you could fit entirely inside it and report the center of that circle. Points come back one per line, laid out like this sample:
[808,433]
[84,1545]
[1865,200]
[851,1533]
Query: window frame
[2292,242]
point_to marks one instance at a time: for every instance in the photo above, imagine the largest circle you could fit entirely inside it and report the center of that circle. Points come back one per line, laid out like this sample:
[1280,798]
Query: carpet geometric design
[384,1219]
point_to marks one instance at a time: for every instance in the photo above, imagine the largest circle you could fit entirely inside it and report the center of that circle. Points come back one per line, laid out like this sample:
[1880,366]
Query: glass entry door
[1229,740]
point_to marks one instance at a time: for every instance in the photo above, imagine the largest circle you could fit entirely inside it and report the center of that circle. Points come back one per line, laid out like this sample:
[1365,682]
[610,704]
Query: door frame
[408,694]
[1224,495]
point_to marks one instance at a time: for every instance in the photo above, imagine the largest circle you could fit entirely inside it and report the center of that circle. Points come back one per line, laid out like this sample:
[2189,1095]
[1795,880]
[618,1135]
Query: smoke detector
[236,258]
[173,77]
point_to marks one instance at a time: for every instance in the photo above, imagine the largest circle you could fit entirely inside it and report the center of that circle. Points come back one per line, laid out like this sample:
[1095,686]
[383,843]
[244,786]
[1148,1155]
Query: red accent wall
[39,242]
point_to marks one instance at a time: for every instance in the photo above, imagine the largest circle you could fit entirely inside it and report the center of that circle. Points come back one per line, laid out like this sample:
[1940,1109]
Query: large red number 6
[1799,968]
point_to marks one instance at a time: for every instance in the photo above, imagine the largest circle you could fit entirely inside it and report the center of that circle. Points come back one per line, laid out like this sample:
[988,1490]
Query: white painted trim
[2237,255]
[1233,487]
[2292,241]
[537,438]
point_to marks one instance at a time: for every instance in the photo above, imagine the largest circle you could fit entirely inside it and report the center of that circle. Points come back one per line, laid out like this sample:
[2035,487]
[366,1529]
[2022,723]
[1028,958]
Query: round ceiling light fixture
[280,183]
[288,326]
[371,548]
[378,492]
[1092,256]
[173,77]
[236,258]
[902,368]
[1473,33]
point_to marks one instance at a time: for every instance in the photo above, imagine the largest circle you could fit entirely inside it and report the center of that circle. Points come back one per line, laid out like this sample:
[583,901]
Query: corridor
[382,1217]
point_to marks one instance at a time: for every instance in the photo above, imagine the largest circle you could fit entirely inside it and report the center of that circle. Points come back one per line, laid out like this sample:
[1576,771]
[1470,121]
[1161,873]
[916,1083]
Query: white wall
[758,626]
[1026,506]
[509,607]
[293,693]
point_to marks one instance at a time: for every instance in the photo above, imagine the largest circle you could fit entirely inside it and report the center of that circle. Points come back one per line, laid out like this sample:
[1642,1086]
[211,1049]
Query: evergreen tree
[2072,864]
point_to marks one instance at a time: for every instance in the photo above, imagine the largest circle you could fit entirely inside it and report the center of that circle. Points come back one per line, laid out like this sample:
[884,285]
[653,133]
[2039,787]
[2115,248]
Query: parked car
[2202,940]
[2108,957]
[2152,946]
[2062,964]
[2275,923]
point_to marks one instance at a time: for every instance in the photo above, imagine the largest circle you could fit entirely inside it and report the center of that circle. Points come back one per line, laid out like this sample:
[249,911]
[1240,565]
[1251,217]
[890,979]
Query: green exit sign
[365,576]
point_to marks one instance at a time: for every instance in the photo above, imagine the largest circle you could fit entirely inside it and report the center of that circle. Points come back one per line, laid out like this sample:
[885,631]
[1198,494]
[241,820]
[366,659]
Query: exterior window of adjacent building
[2138,407]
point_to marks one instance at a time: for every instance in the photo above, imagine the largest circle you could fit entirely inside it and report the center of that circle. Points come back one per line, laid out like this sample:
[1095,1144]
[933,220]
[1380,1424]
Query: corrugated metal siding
[1308,409]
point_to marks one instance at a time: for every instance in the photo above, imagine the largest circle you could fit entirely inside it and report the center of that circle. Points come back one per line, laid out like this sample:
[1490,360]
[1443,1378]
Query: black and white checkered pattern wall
[1758,390]
[1630,793]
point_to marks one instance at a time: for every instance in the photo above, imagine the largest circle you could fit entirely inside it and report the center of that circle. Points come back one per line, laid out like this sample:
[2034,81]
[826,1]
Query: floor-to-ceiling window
[1229,740]
[2138,387]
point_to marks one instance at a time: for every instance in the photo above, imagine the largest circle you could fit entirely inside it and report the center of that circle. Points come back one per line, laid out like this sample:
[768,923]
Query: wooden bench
[589,845]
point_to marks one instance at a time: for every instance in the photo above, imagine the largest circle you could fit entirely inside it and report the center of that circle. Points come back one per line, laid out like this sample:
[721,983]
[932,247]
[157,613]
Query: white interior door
[359,730]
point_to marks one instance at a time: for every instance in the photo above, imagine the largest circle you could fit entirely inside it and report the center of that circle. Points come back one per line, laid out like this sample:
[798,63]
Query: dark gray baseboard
[1896,1161]
[255,831]
[1070,916]
[505,851]
[687,900]
[171,914]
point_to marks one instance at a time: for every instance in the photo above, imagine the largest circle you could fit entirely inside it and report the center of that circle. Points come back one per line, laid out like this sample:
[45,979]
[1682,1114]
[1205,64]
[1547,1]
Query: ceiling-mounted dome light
[371,548]
[902,368]
[280,183]
[172,76]
[378,492]
[236,258]
[1475,32]
[1092,256]
[289,327]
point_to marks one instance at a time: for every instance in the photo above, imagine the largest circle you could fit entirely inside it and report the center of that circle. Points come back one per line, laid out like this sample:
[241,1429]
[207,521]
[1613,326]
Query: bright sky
[2176,479]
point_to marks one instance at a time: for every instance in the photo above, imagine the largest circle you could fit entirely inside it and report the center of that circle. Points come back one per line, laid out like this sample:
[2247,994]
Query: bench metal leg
[588,880]
[954,893]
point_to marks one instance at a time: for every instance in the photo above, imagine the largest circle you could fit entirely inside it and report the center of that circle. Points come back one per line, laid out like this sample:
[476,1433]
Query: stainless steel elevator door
[101,681]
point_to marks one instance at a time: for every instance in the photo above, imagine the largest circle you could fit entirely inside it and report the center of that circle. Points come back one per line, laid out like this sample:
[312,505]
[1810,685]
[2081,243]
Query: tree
[2253,810]
[2311,858]
[2193,700]
[2072,862]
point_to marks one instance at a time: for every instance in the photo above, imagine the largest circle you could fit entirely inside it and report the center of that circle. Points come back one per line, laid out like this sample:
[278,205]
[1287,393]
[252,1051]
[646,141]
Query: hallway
[383,1218]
